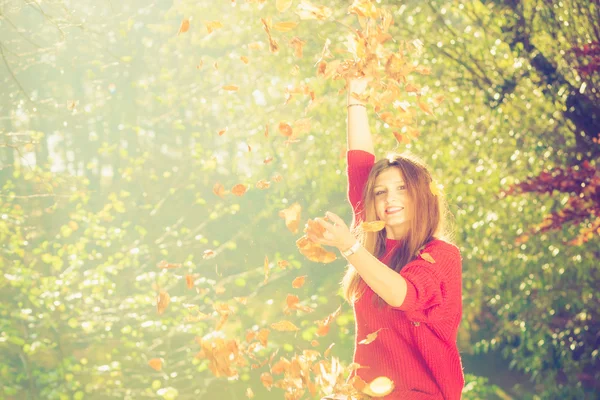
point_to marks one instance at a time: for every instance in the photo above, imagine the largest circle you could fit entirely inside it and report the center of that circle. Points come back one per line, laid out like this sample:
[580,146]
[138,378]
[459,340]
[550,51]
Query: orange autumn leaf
[358,383]
[184,27]
[239,189]
[312,226]
[162,301]
[437,100]
[273,45]
[285,26]
[282,5]
[292,217]
[223,131]
[401,138]
[263,335]
[425,107]
[244,59]
[313,251]
[328,351]
[423,70]
[155,364]
[298,45]
[284,326]
[267,380]
[249,148]
[242,300]
[212,26]
[267,130]
[314,343]
[277,178]
[166,265]
[427,257]
[372,226]
[282,264]
[266,269]
[285,129]
[268,159]
[293,303]
[370,337]
[323,325]
[298,282]
[263,184]
[189,281]
[219,190]
[364,9]
[231,88]
[208,254]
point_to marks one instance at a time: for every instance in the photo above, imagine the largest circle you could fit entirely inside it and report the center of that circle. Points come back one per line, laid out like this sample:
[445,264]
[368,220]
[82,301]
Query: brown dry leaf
[266,269]
[231,88]
[208,254]
[223,131]
[268,159]
[323,325]
[427,257]
[284,326]
[282,264]
[298,45]
[285,26]
[267,380]
[249,393]
[285,129]
[283,5]
[189,281]
[162,301]
[293,303]
[239,189]
[155,364]
[212,26]
[223,355]
[306,10]
[379,387]
[292,217]
[166,265]
[315,228]
[263,184]
[184,27]
[370,337]
[273,45]
[372,226]
[298,282]
[313,251]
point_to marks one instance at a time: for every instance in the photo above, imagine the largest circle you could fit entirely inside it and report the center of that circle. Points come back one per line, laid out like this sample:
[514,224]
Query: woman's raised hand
[356,85]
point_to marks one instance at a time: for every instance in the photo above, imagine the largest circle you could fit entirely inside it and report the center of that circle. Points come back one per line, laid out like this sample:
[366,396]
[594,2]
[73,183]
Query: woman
[403,281]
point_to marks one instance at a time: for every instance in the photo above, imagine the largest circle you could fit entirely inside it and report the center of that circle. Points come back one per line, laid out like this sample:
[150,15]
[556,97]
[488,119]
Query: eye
[377,193]
[402,187]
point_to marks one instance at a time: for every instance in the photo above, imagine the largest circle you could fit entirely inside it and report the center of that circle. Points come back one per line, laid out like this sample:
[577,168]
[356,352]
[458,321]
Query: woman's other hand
[336,234]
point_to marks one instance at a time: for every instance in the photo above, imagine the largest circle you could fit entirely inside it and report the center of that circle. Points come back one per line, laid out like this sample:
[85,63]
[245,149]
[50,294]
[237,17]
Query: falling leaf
[283,5]
[263,184]
[166,265]
[231,88]
[273,45]
[410,88]
[401,139]
[189,281]
[267,130]
[379,387]
[277,178]
[363,9]
[249,149]
[372,226]
[298,45]
[71,104]
[285,26]
[437,100]
[427,257]
[313,251]
[266,269]
[292,217]
[223,131]
[263,335]
[249,393]
[282,264]
[302,126]
[293,303]
[184,27]
[306,10]
[200,64]
[245,59]
[208,254]
[423,70]
[268,159]
[436,188]
[298,282]
[255,46]
[285,129]
[155,364]
[358,383]
[212,26]
[219,290]
[314,343]
[370,337]
[162,301]
[284,326]
[219,190]
[267,380]
[242,300]
[425,107]
[216,65]
[323,325]
[238,189]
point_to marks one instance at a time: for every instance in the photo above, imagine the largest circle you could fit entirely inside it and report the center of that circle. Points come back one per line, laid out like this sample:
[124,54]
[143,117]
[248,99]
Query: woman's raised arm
[358,133]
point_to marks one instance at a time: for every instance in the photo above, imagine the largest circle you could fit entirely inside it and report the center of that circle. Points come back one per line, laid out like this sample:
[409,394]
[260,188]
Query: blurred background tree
[115,128]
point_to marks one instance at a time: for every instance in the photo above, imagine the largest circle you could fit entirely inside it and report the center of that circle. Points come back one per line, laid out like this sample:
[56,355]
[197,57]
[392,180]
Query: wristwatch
[351,250]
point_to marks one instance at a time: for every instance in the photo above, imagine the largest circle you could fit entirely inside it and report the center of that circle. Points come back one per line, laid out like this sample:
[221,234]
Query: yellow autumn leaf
[231,88]
[372,226]
[379,387]
[213,25]
[307,10]
[284,326]
[283,5]
[285,26]
[427,257]
[370,337]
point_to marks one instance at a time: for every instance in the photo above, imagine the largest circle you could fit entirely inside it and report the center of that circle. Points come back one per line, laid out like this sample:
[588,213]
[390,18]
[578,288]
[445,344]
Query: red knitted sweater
[416,346]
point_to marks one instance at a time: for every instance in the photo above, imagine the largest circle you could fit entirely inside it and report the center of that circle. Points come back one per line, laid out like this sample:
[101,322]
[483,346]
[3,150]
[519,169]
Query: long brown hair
[427,222]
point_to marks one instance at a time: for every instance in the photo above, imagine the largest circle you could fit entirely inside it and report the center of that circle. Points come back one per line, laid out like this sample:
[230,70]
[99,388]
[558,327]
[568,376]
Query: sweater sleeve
[434,290]
[360,164]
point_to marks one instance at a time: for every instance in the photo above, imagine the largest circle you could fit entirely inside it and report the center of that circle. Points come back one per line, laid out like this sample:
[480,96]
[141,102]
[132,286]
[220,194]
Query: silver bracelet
[356,104]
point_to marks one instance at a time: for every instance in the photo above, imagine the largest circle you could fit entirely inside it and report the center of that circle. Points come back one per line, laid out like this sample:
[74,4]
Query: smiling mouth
[393,210]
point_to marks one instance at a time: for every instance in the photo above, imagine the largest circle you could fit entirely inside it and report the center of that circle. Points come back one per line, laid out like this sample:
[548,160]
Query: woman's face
[392,201]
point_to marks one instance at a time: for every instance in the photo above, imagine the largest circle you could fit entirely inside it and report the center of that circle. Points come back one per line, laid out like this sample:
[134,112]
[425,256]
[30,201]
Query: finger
[324,224]
[334,218]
